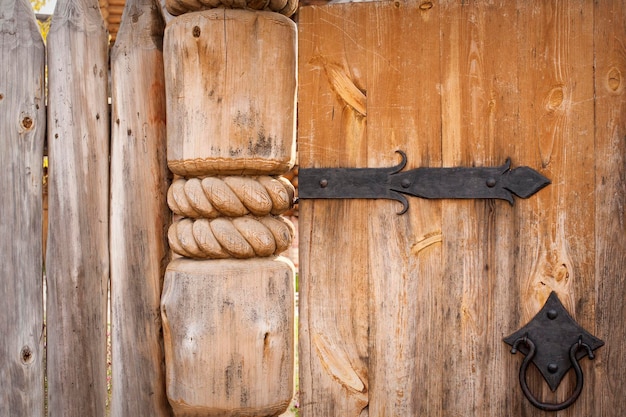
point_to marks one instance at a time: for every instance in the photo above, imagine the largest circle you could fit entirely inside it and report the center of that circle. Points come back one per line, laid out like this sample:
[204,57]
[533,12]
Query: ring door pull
[554,343]
[577,370]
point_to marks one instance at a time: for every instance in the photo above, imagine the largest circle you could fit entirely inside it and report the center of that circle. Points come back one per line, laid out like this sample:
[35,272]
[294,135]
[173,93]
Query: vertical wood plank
[334,292]
[139,213]
[610,192]
[22,130]
[557,241]
[479,127]
[77,261]
[404,252]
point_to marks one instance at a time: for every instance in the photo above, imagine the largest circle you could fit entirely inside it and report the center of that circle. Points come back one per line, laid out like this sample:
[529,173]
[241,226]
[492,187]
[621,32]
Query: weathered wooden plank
[22,130]
[491,88]
[334,293]
[610,192]
[77,261]
[556,231]
[139,213]
[479,125]
[404,252]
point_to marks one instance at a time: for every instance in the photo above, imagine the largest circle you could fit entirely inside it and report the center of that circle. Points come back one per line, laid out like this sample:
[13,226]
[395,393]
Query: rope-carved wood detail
[231,237]
[284,7]
[235,196]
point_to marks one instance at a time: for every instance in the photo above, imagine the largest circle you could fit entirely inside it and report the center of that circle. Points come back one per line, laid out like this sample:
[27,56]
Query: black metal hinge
[392,183]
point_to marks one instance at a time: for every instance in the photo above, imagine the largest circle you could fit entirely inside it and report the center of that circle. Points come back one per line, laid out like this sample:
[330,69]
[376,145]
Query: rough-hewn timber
[139,213]
[22,130]
[77,260]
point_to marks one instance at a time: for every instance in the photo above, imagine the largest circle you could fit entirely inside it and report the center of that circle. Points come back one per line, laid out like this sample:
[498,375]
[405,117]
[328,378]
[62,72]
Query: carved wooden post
[227,303]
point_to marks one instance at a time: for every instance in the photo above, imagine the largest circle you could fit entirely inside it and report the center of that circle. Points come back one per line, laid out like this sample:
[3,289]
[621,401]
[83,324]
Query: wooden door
[404,315]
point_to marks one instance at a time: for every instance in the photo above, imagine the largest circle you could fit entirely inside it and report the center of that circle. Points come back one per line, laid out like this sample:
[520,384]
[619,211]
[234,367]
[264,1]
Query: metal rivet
[323,183]
[406,183]
[553,368]
[552,314]
[491,182]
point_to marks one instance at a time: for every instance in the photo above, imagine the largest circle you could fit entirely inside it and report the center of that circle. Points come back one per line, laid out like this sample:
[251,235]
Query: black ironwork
[554,343]
[392,183]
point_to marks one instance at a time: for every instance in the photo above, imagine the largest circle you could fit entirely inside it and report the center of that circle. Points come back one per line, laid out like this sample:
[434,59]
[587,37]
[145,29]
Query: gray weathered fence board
[22,128]
[77,260]
[139,213]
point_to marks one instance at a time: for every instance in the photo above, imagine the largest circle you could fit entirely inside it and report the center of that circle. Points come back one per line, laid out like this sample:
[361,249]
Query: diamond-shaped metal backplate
[553,331]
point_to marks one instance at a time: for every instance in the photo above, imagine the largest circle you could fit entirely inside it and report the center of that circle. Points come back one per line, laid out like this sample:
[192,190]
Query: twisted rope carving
[223,237]
[234,196]
[284,7]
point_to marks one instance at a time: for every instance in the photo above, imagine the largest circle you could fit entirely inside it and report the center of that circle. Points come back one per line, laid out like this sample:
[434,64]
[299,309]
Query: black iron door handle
[554,343]
[577,370]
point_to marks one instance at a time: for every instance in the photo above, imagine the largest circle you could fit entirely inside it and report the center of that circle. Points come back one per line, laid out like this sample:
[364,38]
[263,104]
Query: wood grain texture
[610,211]
[228,327]
[404,252]
[450,279]
[139,213]
[22,130]
[334,292]
[557,241]
[231,85]
[77,260]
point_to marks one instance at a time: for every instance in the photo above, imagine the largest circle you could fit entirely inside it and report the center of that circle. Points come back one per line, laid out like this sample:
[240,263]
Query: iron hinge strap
[434,183]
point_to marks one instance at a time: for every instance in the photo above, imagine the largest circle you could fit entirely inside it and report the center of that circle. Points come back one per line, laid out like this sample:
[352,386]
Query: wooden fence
[108,211]
[81,140]
[108,216]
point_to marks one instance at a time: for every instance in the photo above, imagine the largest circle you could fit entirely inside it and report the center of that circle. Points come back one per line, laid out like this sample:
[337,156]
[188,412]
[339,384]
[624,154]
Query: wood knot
[196,31]
[26,355]
[555,98]
[27,123]
[427,5]
[614,79]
